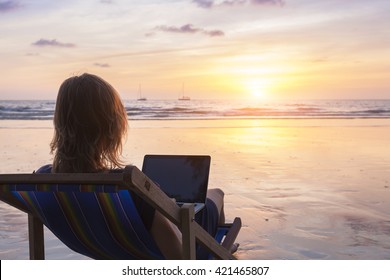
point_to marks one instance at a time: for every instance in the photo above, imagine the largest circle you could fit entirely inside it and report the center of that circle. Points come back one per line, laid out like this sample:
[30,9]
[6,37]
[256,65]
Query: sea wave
[214,109]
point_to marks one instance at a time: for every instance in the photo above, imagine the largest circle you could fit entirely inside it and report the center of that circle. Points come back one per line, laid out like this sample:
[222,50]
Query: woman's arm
[167,237]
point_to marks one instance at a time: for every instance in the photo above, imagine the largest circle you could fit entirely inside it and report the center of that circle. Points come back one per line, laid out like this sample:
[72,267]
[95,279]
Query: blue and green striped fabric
[98,221]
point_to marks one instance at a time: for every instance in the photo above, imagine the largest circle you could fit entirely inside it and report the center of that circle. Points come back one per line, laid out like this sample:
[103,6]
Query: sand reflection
[305,189]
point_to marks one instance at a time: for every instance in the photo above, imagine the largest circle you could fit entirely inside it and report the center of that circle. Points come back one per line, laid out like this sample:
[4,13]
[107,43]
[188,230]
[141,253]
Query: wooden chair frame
[131,179]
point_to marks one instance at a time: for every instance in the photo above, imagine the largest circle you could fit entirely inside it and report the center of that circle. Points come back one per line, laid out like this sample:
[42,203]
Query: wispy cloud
[102,65]
[52,43]
[189,29]
[107,1]
[207,4]
[7,6]
[214,33]
[268,2]
[204,3]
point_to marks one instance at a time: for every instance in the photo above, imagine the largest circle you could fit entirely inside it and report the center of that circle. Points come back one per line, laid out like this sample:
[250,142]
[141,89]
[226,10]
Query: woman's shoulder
[44,169]
[48,169]
[116,170]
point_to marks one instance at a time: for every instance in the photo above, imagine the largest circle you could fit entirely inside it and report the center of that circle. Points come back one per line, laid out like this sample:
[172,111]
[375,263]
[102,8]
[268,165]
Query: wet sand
[305,189]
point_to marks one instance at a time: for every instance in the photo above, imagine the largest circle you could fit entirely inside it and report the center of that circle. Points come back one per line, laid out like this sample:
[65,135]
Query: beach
[304,188]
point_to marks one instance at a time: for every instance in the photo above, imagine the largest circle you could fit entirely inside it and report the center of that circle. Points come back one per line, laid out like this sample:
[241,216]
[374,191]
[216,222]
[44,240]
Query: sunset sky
[220,49]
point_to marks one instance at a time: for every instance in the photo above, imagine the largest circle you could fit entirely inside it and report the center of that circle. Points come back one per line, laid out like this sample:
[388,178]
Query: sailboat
[184,97]
[140,98]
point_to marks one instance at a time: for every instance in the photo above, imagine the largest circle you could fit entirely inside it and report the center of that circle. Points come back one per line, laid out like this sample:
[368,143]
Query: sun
[257,88]
[257,93]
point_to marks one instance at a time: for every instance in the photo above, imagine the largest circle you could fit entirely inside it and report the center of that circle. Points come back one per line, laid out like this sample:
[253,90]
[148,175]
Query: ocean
[214,109]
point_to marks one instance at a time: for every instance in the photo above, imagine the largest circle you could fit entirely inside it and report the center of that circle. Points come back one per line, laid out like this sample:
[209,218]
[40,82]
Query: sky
[206,49]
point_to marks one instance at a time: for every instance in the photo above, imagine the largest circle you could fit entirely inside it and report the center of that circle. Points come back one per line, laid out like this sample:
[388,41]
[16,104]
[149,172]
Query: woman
[90,123]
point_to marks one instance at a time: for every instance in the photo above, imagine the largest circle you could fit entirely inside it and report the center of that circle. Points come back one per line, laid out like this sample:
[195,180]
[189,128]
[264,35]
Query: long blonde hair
[90,122]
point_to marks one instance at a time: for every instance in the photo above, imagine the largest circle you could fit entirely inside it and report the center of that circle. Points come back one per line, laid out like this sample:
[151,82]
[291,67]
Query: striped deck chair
[94,215]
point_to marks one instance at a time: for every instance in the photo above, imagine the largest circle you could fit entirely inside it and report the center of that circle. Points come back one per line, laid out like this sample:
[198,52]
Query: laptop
[183,177]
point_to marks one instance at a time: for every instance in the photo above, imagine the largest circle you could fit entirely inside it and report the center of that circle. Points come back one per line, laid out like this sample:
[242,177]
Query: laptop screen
[182,177]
